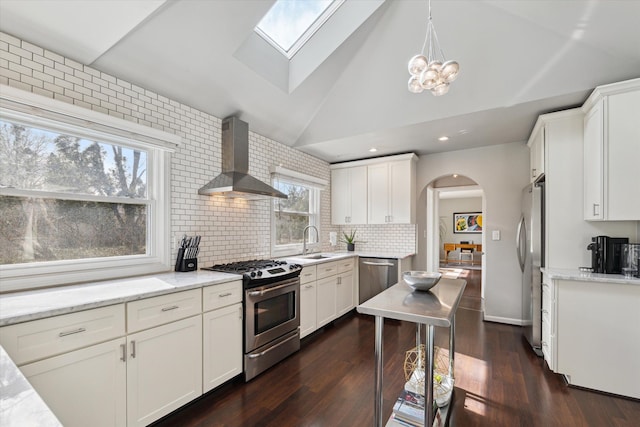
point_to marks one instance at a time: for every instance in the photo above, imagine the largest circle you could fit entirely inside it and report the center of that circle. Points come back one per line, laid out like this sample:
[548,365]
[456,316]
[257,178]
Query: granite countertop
[20,404]
[585,276]
[434,307]
[23,306]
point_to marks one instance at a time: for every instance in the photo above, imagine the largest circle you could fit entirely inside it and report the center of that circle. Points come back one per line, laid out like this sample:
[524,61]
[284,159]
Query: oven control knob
[259,273]
[253,274]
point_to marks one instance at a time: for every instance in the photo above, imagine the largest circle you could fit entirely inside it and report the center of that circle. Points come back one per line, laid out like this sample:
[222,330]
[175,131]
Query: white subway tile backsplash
[231,229]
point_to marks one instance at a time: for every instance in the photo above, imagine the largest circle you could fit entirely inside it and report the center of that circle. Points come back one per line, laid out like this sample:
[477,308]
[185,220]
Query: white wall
[501,171]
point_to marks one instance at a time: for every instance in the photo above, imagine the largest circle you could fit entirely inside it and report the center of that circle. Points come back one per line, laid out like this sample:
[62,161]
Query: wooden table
[436,307]
[450,247]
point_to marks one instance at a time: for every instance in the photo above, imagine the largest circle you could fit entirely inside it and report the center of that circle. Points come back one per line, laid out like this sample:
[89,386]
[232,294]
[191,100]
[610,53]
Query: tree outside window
[65,197]
[292,215]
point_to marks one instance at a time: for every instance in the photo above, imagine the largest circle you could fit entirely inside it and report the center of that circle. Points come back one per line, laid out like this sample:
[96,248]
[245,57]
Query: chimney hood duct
[235,181]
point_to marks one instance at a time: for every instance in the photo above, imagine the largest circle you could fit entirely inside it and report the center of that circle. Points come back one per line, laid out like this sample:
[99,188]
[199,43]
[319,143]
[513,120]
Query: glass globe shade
[429,79]
[450,71]
[414,85]
[417,64]
[435,65]
[440,89]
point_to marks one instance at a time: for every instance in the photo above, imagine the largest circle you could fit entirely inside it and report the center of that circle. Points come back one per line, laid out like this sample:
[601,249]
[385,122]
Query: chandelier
[431,72]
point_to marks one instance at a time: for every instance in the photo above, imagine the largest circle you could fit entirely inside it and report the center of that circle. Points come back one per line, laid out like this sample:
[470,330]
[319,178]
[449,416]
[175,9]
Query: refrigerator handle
[519,242]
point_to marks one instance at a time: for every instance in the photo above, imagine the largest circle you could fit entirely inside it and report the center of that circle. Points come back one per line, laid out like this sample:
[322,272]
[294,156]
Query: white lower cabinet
[94,369]
[344,293]
[598,338]
[548,324]
[84,387]
[326,294]
[164,369]
[222,345]
[308,301]
[335,294]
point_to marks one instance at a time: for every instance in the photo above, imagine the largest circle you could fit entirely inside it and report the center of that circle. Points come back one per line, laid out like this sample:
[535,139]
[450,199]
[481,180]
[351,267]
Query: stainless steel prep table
[434,308]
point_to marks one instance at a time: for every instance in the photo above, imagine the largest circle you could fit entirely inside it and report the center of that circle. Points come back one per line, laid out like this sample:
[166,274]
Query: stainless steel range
[271,311]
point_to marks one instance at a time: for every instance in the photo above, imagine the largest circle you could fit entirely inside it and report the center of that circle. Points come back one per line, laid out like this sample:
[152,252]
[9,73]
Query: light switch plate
[495,235]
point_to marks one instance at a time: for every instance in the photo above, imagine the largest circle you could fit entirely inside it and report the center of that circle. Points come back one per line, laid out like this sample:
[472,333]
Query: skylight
[290,23]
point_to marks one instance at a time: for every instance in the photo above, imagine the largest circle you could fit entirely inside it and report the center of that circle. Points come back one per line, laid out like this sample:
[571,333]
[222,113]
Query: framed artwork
[467,222]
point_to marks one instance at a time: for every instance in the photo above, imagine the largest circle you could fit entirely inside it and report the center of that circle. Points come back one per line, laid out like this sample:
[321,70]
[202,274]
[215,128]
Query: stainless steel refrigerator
[530,248]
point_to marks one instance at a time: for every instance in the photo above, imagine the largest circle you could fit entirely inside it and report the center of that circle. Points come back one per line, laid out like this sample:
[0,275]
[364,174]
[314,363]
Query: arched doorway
[457,251]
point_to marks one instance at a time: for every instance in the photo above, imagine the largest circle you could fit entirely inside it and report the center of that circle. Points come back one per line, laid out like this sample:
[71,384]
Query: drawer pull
[308,287]
[307,275]
[226,294]
[173,307]
[75,331]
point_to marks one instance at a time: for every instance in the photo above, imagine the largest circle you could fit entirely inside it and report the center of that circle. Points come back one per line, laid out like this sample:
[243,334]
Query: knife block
[185,264]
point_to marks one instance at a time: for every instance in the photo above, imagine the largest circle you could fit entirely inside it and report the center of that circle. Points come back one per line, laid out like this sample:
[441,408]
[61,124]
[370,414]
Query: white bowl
[421,280]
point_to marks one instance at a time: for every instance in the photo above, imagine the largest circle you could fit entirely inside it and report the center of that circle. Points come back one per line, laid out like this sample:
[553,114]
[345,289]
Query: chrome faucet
[304,237]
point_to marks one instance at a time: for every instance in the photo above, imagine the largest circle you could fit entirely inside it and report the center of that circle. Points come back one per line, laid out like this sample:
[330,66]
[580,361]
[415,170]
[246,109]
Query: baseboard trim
[507,320]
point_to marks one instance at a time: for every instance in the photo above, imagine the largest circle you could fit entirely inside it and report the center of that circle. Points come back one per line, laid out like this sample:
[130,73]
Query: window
[289,24]
[78,203]
[291,216]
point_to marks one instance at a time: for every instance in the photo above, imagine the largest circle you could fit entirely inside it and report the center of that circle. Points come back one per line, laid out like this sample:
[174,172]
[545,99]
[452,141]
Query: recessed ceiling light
[373,149]
[443,138]
[455,175]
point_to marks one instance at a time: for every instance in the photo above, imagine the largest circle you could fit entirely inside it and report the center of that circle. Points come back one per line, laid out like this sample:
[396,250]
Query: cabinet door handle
[596,209]
[533,173]
[133,349]
[123,349]
[308,287]
[545,311]
[226,294]
[173,307]
[75,331]
[240,312]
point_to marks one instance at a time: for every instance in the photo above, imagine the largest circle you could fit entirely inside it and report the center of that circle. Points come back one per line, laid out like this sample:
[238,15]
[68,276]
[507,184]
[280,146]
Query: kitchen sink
[314,256]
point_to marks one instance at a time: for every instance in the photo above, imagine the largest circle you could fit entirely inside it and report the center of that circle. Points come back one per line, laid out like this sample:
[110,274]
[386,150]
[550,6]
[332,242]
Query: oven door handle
[262,353]
[266,291]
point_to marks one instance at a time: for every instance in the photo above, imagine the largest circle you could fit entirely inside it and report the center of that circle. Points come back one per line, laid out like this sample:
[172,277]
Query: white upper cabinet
[391,187]
[612,152]
[349,195]
[537,151]
[387,188]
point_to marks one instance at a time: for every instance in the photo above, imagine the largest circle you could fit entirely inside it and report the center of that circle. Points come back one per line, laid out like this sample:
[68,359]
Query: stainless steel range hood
[235,181]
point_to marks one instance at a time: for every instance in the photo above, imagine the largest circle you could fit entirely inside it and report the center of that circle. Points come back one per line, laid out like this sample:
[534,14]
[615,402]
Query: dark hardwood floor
[329,382]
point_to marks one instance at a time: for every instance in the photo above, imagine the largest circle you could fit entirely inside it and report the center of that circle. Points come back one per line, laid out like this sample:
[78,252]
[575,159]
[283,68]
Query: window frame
[302,38]
[29,109]
[314,185]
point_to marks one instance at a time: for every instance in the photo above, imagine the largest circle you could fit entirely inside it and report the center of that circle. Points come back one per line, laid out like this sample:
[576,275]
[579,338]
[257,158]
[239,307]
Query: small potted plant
[349,239]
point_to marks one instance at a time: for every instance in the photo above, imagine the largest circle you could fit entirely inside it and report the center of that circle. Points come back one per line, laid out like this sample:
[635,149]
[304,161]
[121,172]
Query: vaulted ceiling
[518,59]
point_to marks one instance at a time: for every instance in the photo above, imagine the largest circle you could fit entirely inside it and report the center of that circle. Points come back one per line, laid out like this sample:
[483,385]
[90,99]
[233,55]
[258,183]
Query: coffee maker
[606,254]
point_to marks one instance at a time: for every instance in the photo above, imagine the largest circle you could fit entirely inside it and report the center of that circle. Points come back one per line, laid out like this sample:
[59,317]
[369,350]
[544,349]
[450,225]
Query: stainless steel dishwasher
[376,275]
